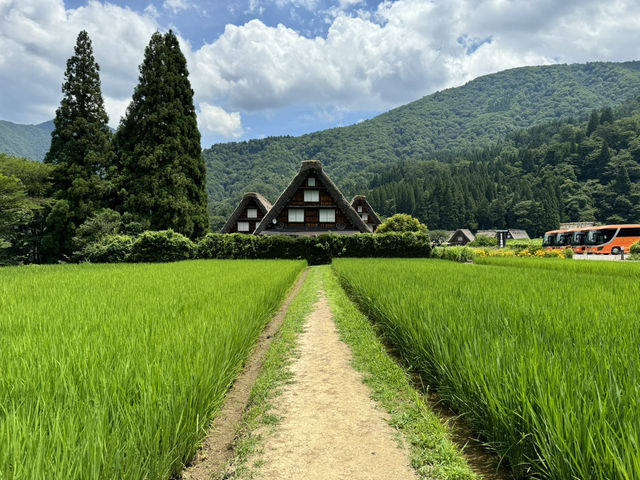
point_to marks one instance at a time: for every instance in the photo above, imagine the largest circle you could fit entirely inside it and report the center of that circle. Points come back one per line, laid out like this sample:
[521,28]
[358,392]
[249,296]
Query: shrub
[484,241]
[109,249]
[162,246]
[401,222]
[635,248]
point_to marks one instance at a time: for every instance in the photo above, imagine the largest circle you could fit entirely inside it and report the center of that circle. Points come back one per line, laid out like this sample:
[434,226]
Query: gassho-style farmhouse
[310,205]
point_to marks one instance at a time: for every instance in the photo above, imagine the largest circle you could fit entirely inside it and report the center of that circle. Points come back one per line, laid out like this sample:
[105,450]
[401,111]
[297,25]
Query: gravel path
[330,427]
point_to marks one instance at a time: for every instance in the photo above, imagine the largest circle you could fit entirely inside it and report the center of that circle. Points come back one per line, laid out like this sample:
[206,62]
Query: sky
[287,67]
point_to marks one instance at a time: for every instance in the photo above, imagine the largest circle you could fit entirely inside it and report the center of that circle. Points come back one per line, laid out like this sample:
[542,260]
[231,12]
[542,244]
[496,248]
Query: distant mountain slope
[474,115]
[30,141]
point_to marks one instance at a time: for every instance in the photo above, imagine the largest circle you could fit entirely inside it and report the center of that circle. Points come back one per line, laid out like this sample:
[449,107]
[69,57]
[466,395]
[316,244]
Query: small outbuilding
[366,212]
[250,211]
[462,236]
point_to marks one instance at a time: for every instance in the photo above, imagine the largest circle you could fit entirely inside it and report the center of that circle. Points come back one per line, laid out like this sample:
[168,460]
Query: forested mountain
[534,179]
[472,116]
[30,141]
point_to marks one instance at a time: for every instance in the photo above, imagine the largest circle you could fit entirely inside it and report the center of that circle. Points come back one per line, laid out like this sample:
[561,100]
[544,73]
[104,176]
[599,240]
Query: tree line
[148,175]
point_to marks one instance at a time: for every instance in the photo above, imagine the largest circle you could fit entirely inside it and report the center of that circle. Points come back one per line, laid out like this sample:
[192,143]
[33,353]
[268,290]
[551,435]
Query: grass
[114,371]
[542,362]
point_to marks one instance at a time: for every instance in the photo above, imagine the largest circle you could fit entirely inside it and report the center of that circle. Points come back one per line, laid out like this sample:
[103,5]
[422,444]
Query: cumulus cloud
[367,60]
[407,49]
[214,119]
[36,39]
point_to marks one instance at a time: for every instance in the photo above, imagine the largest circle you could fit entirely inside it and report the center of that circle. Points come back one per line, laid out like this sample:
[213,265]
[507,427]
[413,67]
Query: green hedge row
[168,246]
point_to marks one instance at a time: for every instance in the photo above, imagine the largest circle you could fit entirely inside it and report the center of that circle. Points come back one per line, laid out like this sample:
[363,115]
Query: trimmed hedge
[169,246]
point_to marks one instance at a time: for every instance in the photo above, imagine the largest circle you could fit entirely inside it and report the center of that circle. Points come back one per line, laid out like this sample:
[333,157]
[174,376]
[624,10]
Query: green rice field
[114,371]
[541,357]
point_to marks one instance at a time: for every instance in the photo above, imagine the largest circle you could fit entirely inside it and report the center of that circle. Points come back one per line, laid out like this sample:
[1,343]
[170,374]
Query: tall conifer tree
[79,149]
[163,178]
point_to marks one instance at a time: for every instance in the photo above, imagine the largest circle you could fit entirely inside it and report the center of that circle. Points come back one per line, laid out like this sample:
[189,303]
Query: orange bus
[564,238]
[611,239]
[549,239]
[578,240]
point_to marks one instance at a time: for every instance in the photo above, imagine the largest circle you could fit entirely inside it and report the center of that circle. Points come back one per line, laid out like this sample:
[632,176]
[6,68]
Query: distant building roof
[469,237]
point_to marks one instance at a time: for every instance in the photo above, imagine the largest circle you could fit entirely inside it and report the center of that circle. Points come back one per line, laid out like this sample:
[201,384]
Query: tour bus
[578,240]
[611,239]
[564,238]
[549,239]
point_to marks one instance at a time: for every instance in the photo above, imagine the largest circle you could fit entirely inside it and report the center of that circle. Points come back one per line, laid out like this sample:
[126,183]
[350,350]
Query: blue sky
[287,67]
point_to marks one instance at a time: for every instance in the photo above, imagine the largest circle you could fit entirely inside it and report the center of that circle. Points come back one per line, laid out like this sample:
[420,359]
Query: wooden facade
[311,205]
[366,212]
[247,216]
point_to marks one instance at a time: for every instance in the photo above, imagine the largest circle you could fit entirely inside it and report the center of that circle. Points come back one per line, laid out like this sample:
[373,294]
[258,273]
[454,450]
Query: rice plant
[544,363]
[114,371]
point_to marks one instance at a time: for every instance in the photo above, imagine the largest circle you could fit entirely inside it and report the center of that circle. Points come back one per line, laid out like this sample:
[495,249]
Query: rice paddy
[114,371]
[543,362]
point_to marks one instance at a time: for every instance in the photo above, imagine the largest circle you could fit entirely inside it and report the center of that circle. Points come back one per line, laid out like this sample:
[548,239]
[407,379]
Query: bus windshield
[598,237]
[563,239]
[548,240]
[578,239]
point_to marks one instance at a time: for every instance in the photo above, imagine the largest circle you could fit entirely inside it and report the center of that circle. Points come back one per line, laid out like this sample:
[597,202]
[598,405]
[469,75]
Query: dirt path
[330,427]
[217,448]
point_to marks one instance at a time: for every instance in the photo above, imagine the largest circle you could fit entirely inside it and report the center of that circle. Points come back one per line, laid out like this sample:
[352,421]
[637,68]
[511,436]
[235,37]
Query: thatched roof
[519,234]
[466,232]
[263,204]
[372,214]
[315,167]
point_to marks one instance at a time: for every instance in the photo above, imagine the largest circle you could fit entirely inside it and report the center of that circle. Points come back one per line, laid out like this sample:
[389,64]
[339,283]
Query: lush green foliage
[161,171]
[80,144]
[115,371]
[475,115]
[30,141]
[455,254]
[543,363]
[635,248]
[167,246]
[25,186]
[484,241]
[401,222]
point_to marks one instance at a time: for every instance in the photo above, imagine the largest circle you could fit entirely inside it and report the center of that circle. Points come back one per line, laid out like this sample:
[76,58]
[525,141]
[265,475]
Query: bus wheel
[615,251]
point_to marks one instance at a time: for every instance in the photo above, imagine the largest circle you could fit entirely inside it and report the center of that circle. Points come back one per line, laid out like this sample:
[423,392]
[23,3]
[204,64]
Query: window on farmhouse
[296,215]
[311,196]
[460,238]
[359,208]
[365,217]
[243,226]
[311,181]
[327,215]
[252,213]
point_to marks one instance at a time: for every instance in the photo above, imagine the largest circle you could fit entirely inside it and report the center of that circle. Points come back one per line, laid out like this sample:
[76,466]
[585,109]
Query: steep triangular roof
[341,202]
[263,204]
[466,232]
[367,206]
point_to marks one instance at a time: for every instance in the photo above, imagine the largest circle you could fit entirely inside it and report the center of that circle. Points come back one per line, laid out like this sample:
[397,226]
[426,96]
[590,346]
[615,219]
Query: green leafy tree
[163,178]
[401,222]
[594,121]
[79,148]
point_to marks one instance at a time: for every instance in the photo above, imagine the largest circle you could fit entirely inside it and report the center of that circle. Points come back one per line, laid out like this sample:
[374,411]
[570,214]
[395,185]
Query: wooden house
[311,205]
[250,211]
[512,234]
[462,236]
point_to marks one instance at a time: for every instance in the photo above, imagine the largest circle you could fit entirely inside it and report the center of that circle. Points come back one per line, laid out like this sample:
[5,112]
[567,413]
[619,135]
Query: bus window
[629,232]
[598,237]
[578,239]
[548,239]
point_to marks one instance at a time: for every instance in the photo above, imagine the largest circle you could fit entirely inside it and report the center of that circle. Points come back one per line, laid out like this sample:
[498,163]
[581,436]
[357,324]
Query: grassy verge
[432,453]
[259,418]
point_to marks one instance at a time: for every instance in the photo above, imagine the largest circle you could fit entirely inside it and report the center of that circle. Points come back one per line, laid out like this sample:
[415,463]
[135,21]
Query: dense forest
[534,179]
[29,141]
[472,116]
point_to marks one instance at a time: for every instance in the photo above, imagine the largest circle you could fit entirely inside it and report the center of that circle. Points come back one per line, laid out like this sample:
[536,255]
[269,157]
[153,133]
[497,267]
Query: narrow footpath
[330,428]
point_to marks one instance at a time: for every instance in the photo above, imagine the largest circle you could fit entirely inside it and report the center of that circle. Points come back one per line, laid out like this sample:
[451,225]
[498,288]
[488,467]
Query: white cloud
[214,119]
[175,5]
[36,39]
[366,61]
